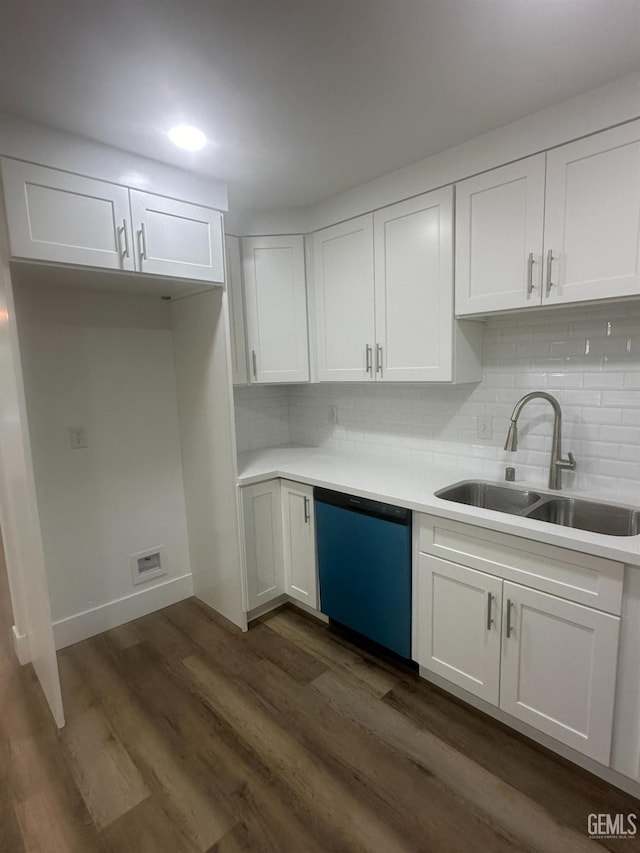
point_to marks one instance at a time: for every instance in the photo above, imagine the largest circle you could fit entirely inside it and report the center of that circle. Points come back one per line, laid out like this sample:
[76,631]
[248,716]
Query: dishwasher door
[364,566]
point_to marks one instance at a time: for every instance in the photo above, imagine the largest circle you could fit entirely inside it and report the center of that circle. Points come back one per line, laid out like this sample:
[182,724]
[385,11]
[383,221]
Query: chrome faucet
[557,462]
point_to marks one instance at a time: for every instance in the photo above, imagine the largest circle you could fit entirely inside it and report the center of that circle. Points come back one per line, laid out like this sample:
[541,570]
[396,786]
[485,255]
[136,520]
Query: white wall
[103,361]
[598,386]
[606,106]
[18,506]
[35,143]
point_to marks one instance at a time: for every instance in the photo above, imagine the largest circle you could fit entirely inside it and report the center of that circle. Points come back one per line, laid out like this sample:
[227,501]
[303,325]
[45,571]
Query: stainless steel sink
[588,515]
[593,516]
[490,496]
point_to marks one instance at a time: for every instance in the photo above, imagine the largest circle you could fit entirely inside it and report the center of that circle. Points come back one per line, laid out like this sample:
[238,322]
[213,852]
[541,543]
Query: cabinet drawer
[579,577]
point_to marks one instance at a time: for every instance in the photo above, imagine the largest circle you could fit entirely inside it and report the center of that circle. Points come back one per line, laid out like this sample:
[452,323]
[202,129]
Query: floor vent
[147,565]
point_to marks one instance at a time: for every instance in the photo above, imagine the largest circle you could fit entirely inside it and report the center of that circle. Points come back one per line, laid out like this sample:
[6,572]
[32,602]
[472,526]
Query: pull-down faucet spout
[557,463]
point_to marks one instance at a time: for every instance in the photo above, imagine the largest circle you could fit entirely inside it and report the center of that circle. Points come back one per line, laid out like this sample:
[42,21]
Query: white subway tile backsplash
[598,389]
[621,434]
[602,415]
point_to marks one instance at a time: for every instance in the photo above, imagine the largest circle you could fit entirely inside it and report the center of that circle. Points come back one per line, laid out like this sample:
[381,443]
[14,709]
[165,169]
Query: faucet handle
[569,464]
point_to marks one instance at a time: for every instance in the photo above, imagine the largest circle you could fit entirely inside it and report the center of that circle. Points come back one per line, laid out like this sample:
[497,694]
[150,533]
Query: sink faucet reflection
[557,463]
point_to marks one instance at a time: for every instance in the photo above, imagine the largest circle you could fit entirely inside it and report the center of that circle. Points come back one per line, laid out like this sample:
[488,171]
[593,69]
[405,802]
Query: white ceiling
[304,99]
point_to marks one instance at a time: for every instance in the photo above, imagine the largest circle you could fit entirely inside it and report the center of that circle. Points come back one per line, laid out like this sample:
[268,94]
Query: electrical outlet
[484,426]
[78,438]
[333,414]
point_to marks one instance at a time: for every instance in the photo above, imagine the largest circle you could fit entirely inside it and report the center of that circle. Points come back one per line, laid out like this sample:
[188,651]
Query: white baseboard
[310,610]
[20,646]
[80,626]
[278,601]
[267,607]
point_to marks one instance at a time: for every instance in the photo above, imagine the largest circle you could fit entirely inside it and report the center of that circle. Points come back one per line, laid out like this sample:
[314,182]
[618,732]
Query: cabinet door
[263,542]
[65,218]
[300,573]
[235,301]
[458,631]
[414,288]
[499,224]
[276,300]
[176,239]
[559,668]
[592,217]
[344,293]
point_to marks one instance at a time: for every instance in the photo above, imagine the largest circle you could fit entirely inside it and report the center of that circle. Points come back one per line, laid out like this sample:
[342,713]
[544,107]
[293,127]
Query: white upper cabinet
[384,297]
[499,221]
[344,302]
[176,239]
[414,289]
[276,305]
[69,219]
[235,301]
[65,218]
[570,233]
[592,217]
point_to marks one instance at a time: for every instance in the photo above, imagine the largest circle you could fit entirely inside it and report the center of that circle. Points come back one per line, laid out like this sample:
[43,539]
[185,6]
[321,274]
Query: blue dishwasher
[364,565]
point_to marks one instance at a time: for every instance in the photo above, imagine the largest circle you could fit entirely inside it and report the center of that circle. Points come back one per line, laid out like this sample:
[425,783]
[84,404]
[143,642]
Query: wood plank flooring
[184,734]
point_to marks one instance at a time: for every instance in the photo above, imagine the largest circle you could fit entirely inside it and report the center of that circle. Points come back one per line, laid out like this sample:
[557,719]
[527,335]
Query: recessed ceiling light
[188,137]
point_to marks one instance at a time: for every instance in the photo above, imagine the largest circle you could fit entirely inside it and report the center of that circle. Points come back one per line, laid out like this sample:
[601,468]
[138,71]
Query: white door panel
[300,573]
[276,302]
[263,542]
[345,310]
[592,217]
[499,223]
[176,239]
[414,288]
[458,637]
[68,219]
[559,668]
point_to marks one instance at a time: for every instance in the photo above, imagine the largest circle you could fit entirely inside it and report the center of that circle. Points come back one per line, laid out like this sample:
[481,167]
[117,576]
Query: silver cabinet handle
[489,619]
[378,358]
[530,263]
[142,241]
[254,364]
[369,353]
[550,260]
[508,628]
[307,514]
[124,250]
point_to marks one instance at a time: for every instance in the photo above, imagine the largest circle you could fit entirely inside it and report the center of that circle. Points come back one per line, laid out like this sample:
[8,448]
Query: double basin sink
[569,512]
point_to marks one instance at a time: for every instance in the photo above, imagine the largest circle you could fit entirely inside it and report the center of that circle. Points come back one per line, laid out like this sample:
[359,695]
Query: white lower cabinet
[298,526]
[459,626]
[543,659]
[559,668]
[280,543]
[263,542]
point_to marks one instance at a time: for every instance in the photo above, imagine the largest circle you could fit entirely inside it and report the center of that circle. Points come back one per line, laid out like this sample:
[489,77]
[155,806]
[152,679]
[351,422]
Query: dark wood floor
[185,735]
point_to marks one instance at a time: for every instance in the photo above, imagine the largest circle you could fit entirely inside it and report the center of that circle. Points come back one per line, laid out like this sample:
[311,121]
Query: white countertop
[413,486]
